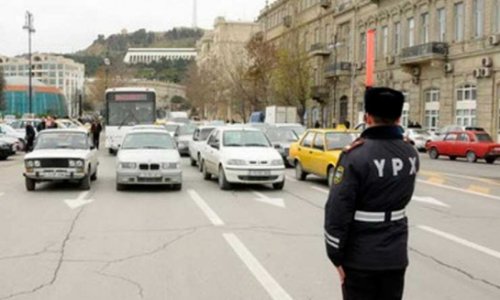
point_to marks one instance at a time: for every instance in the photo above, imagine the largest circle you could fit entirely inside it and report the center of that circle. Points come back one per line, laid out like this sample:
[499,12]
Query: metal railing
[424,51]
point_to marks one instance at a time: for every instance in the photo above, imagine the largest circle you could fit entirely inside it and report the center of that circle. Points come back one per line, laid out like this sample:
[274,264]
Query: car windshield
[243,138]
[205,133]
[483,137]
[7,129]
[148,141]
[62,140]
[282,135]
[186,130]
[339,140]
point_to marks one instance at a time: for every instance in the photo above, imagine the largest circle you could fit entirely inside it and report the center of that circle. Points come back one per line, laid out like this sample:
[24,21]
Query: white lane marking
[211,215]
[291,179]
[2,194]
[485,180]
[429,200]
[272,287]
[459,189]
[461,241]
[322,190]
[78,202]
[279,202]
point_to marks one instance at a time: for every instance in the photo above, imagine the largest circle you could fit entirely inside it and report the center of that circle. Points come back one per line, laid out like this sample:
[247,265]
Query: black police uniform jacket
[376,173]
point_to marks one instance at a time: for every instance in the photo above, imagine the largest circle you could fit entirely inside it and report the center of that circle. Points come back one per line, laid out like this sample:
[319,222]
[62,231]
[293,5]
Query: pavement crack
[55,274]
[137,285]
[33,254]
[162,247]
[457,269]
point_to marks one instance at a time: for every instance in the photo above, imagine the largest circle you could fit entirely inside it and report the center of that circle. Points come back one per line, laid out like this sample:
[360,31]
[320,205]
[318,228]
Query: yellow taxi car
[318,152]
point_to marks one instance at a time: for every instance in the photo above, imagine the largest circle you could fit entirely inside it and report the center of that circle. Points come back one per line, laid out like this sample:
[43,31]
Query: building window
[459,21]
[466,105]
[496,16]
[424,29]
[362,46]
[411,32]
[432,106]
[441,26]
[385,40]
[478,10]
[397,37]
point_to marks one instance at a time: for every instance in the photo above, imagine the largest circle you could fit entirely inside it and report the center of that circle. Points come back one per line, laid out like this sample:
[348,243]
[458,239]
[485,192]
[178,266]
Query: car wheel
[279,185]
[453,158]
[177,187]
[490,160]
[471,157]
[299,172]
[193,162]
[30,184]
[3,157]
[94,176]
[331,175]
[120,187]
[433,153]
[85,183]
[206,175]
[223,183]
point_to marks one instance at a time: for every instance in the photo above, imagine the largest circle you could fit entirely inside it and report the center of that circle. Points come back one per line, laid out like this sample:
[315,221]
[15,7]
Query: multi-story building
[54,71]
[149,55]
[221,50]
[443,54]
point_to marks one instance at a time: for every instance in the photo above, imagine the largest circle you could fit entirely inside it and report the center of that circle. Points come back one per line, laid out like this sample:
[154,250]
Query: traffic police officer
[366,229]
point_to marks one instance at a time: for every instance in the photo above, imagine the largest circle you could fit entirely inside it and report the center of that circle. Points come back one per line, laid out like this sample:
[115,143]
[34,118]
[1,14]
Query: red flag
[370,57]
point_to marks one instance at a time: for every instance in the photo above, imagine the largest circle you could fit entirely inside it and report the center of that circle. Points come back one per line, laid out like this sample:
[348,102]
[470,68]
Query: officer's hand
[341,274]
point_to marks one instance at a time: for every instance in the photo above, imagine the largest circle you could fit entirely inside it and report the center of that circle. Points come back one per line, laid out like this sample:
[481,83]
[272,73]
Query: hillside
[115,46]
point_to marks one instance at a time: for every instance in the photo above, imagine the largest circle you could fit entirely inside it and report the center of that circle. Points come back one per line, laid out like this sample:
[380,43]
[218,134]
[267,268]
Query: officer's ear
[368,119]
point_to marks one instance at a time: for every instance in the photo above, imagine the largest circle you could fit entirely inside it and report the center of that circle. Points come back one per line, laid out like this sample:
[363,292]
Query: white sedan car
[148,157]
[242,155]
[199,140]
[61,155]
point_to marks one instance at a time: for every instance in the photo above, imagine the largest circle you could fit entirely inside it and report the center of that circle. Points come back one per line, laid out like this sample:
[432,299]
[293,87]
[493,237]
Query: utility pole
[29,26]
[195,14]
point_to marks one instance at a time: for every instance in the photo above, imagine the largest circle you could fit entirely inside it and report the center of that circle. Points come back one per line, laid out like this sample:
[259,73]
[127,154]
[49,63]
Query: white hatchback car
[60,155]
[199,140]
[242,155]
[148,157]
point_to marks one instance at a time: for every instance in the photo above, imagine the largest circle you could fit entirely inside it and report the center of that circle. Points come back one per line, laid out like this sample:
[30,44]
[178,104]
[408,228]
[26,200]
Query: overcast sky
[65,26]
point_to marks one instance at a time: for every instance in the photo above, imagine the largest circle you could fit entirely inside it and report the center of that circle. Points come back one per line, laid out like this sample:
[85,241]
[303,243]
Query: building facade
[149,55]
[53,71]
[220,52]
[443,54]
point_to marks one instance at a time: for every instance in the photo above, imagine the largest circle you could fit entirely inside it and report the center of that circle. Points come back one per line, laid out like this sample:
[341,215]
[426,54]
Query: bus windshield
[129,109]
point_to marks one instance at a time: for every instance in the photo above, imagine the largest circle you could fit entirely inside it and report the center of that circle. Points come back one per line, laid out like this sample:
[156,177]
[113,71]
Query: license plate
[260,173]
[150,175]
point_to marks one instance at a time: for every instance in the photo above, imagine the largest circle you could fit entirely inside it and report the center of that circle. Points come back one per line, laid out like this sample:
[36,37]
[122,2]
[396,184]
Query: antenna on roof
[195,14]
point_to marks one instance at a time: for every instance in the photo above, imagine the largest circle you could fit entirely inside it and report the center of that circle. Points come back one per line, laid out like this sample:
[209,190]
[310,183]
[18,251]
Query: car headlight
[236,162]
[37,163]
[128,165]
[29,164]
[277,162]
[72,163]
[171,165]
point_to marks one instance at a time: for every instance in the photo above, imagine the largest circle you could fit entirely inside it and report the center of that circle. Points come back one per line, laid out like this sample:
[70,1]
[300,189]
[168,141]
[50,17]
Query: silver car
[148,157]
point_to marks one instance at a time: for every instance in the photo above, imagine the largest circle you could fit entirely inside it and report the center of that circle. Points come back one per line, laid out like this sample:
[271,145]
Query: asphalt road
[249,243]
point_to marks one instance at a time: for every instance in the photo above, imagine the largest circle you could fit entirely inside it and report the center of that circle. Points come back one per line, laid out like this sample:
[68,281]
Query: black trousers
[373,285]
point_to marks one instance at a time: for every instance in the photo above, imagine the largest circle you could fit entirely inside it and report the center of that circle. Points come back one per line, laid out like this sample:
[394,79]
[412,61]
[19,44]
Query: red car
[469,144]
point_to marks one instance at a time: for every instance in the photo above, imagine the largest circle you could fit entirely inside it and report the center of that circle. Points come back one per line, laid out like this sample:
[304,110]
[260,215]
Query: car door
[193,143]
[318,156]
[212,152]
[448,144]
[462,144]
[305,151]
[92,154]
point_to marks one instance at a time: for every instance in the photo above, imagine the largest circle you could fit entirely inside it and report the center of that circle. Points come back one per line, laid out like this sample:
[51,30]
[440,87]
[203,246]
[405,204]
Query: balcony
[320,93]
[319,49]
[424,53]
[338,69]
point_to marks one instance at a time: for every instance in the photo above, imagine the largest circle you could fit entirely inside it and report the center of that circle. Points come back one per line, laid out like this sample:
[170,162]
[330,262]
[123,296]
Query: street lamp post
[29,26]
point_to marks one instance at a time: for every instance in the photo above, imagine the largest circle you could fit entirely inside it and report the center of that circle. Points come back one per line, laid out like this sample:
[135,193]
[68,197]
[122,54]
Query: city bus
[125,108]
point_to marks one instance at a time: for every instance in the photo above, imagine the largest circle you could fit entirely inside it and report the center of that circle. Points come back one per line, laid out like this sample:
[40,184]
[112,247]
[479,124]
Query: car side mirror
[215,145]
